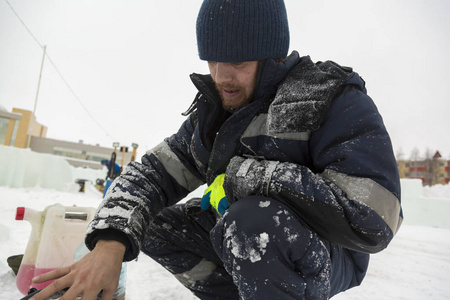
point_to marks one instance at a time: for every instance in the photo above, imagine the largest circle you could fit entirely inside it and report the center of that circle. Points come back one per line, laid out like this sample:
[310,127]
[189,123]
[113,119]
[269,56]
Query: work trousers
[257,250]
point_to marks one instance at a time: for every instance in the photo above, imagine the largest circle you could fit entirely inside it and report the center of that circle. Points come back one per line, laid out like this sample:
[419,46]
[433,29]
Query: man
[108,164]
[302,181]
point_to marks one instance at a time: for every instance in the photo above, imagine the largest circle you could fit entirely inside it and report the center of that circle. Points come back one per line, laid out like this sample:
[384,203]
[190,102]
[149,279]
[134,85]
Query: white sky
[129,63]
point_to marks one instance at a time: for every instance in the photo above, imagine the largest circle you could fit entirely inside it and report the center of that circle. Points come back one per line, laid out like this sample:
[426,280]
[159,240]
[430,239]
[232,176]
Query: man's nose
[224,73]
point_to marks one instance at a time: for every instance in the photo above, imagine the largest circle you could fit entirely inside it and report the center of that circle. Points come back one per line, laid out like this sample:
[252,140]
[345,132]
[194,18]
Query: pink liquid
[23,280]
[26,273]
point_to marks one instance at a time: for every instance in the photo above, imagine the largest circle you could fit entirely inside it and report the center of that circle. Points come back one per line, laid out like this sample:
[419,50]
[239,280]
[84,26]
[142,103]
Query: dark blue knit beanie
[242,30]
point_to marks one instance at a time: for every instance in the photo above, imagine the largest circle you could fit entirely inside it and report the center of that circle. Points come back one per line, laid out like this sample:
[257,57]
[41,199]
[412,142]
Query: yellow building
[16,128]
[20,129]
[404,168]
[434,170]
[9,124]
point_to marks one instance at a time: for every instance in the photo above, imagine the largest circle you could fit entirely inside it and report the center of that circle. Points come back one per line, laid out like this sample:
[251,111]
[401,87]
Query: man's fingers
[53,288]
[58,273]
[76,291]
[223,206]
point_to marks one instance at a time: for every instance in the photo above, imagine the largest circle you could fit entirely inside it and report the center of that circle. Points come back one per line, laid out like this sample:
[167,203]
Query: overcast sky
[128,63]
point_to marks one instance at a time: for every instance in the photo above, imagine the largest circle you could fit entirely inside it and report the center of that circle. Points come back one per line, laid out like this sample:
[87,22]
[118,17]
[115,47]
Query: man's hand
[96,271]
[215,196]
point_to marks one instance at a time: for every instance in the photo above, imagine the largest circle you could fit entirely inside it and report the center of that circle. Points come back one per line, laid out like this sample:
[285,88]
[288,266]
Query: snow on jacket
[312,138]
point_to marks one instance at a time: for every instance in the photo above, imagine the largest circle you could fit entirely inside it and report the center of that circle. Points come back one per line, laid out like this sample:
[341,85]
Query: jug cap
[20,212]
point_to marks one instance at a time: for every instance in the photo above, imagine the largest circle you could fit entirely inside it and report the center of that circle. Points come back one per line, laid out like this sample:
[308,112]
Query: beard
[232,107]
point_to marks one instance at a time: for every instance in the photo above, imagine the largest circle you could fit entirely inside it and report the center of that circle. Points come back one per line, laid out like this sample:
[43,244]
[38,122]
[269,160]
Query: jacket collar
[269,75]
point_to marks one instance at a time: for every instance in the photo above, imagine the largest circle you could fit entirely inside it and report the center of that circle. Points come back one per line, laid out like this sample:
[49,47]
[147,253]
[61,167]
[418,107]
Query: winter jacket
[311,138]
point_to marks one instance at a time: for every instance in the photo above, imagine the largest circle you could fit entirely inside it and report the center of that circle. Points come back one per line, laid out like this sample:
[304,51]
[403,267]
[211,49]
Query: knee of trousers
[257,215]
[260,239]
[267,223]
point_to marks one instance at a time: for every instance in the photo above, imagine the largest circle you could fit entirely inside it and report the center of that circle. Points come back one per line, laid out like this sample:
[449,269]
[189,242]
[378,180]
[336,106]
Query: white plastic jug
[56,233]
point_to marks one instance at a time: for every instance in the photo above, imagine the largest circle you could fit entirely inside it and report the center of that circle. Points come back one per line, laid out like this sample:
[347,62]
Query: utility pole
[37,94]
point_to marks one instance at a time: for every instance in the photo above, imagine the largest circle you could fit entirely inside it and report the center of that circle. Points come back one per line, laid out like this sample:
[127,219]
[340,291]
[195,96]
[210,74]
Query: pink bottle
[26,270]
[56,233]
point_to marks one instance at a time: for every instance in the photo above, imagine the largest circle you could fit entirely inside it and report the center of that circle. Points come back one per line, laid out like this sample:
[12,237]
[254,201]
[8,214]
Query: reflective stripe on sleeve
[370,193]
[258,126]
[175,167]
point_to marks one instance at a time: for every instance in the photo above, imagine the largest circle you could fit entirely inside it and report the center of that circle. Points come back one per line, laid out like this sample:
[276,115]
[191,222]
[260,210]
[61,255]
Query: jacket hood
[271,74]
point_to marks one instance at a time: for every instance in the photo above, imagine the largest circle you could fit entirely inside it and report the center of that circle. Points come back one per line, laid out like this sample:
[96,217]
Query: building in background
[20,129]
[18,126]
[9,123]
[79,154]
[432,170]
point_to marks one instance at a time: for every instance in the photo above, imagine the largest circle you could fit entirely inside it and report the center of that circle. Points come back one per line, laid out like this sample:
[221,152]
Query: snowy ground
[415,266]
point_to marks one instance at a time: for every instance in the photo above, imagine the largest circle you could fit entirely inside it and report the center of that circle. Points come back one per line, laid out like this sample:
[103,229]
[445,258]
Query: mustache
[227,87]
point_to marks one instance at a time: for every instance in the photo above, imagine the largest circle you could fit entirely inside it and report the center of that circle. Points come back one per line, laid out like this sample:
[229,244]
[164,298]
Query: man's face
[235,82]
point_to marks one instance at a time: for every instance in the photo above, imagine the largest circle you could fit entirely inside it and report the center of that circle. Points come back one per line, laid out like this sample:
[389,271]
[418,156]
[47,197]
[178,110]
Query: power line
[59,73]
[77,98]
[23,23]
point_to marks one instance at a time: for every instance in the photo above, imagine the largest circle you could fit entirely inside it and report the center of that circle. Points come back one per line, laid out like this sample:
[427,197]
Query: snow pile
[25,168]
[428,206]
[437,191]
